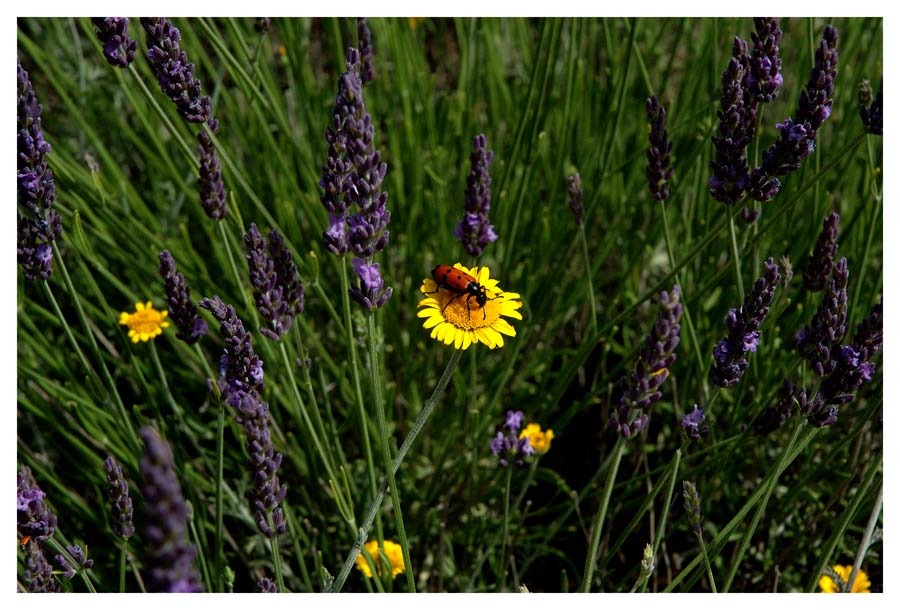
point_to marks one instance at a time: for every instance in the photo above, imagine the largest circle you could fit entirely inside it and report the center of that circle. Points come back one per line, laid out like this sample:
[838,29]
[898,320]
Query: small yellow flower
[860,585]
[458,320]
[393,552]
[539,440]
[145,323]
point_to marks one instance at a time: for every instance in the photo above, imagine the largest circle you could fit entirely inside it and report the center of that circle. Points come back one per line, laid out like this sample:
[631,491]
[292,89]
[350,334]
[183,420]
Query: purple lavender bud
[169,557]
[335,238]
[240,369]
[75,562]
[38,224]
[509,448]
[870,111]
[797,136]
[820,264]
[120,501]
[34,518]
[173,71]
[692,505]
[267,492]
[263,25]
[276,286]
[640,388]
[118,48]
[38,571]
[694,424]
[266,585]
[576,198]
[498,443]
[475,231]
[729,168]
[869,335]
[764,77]
[751,215]
[730,355]
[368,288]
[182,310]
[212,189]
[364,36]
[286,272]
[790,397]
[514,420]
[829,324]
[68,571]
[659,151]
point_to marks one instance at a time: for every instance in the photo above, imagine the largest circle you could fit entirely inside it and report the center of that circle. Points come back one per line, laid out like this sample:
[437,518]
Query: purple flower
[870,111]
[366,70]
[368,289]
[173,71]
[640,388]
[475,231]
[692,505]
[38,571]
[34,518]
[509,448]
[240,369]
[118,48]
[276,284]
[694,424]
[266,585]
[181,309]
[75,562]
[790,398]
[169,557]
[335,238]
[212,190]
[826,330]
[820,264]
[514,420]
[659,152]
[120,501]
[764,77]
[38,224]
[729,168]
[743,326]
[576,198]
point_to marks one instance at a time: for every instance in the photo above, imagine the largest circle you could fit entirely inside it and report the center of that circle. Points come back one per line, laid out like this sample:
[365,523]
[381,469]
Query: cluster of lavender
[641,387]
[366,52]
[870,110]
[38,224]
[820,264]
[790,399]
[182,310]
[694,424]
[276,283]
[38,571]
[118,48]
[34,518]
[212,190]
[170,556]
[75,562]
[509,448]
[119,499]
[797,135]
[353,174]
[266,585]
[241,382]
[692,505]
[818,340]
[659,152]
[576,198]
[475,231]
[763,78]
[743,329]
[173,70]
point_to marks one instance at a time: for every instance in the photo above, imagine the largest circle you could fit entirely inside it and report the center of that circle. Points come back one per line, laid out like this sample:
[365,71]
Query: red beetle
[460,283]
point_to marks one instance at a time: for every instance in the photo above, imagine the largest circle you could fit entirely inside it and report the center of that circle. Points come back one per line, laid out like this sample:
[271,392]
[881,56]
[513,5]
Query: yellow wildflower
[393,552]
[145,323]
[539,440]
[860,585]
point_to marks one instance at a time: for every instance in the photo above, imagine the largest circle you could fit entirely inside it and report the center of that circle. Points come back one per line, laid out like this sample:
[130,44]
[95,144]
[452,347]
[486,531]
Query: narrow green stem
[661,531]
[276,562]
[68,330]
[122,558]
[590,276]
[59,548]
[377,390]
[505,526]
[735,256]
[709,572]
[411,437]
[600,517]
[866,539]
[188,152]
[220,469]
[870,234]
[761,508]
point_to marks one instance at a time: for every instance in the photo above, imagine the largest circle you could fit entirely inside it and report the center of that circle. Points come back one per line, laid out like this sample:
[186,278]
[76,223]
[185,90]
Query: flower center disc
[463,311]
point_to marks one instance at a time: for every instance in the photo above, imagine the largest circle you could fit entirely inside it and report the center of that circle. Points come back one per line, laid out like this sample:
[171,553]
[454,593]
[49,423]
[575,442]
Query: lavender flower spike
[120,501]
[118,48]
[790,398]
[276,285]
[38,571]
[694,424]
[764,77]
[509,448]
[34,518]
[824,334]
[640,388]
[75,562]
[730,355]
[475,231]
[240,369]
[364,35]
[871,111]
[797,136]
[820,264]
[369,289]
[576,198]
[212,190]
[173,71]
[659,152]
[692,505]
[729,168]
[266,585]
[181,309]
[38,224]
[170,556]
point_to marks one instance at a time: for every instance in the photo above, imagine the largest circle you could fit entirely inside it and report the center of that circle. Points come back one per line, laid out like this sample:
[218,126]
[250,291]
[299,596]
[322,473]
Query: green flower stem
[234,269]
[590,275]
[220,475]
[378,392]
[709,572]
[600,517]
[357,386]
[660,534]
[761,508]
[62,550]
[411,437]
[870,234]
[111,384]
[735,257]
[62,320]
[866,539]
[276,562]
[505,526]
[201,555]
[123,553]
[188,152]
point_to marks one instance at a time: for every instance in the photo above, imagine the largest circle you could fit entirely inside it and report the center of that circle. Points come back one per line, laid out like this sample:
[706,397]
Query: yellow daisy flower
[145,323]
[539,440]
[860,585]
[393,552]
[458,320]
